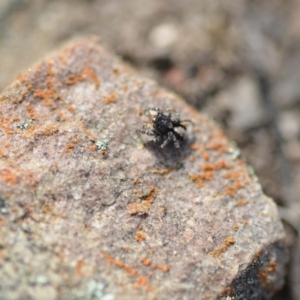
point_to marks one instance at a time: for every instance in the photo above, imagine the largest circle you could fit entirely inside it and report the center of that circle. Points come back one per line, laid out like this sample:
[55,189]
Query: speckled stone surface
[89,210]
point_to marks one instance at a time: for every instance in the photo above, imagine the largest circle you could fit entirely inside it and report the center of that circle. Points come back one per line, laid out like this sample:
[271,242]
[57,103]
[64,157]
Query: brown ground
[237,62]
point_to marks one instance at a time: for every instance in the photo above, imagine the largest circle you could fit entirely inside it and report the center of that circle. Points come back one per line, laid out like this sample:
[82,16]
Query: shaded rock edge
[262,278]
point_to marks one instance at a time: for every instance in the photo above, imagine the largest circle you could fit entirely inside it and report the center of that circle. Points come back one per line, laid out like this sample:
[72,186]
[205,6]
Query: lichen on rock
[126,219]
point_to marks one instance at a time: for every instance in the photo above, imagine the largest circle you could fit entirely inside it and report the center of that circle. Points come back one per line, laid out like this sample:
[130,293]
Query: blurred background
[238,61]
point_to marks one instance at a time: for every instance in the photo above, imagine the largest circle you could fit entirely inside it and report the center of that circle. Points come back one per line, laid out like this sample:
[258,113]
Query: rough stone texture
[131,221]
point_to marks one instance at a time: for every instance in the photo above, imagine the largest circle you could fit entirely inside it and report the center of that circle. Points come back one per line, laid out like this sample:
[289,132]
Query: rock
[289,125]
[89,211]
[242,100]
[164,35]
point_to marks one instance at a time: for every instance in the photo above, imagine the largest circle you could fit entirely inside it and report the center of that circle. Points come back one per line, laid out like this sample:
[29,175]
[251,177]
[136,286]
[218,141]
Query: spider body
[163,127]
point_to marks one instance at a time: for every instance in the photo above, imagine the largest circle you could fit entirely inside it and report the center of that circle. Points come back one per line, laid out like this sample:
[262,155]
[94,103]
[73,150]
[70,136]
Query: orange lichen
[71,145]
[265,272]
[232,176]
[216,166]
[116,71]
[209,170]
[14,208]
[88,72]
[30,110]
[194,147]
[140,236]
[151,250]
[221,164]
[71,80]
[245,223]
[143,207]
[15,119]
[62,60]
[202,177]
[257,256]
[103,152]
[6,124]
[70,108]
[192,158]
[216,145]
[112,98]
[84,74]
[139,208]
[272,266]
[149,288]
[239,180]
[61,116]
[47,209]
[150,195]
[146,261]
[92,148]
[232,190]
[241,202]
[120,264]
[220,250]
[46,95]
[140,281]
[135,181]
[28,208]
[218,142]
[88,133]
[20,98]
[207,175]
[2,222]
[197,179]
[227,292]
[47,131]
[79,267]
[205,155]
[162,172]
[126,248]
[208,167]
[235,227]
[8,176]
[163,268]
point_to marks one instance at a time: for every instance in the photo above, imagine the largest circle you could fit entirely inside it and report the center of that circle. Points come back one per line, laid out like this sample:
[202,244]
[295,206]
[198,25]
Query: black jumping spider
[163,128]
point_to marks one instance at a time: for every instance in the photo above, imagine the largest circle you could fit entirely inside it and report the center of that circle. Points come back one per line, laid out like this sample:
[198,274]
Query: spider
[163,128]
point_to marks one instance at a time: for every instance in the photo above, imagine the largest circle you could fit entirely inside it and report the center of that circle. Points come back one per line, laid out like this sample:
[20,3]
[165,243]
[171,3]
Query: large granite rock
[89,210]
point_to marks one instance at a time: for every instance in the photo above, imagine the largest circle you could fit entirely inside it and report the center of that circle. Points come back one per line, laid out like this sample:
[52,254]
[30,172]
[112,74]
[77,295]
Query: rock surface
[88,211]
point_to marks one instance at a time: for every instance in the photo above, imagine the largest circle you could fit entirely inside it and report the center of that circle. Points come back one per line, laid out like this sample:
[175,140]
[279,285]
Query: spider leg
[178,136]
[169,113]
[156,109]
[156,140]
[186,120]
[178,123]
[166,141]
[147,130]
[173,136]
